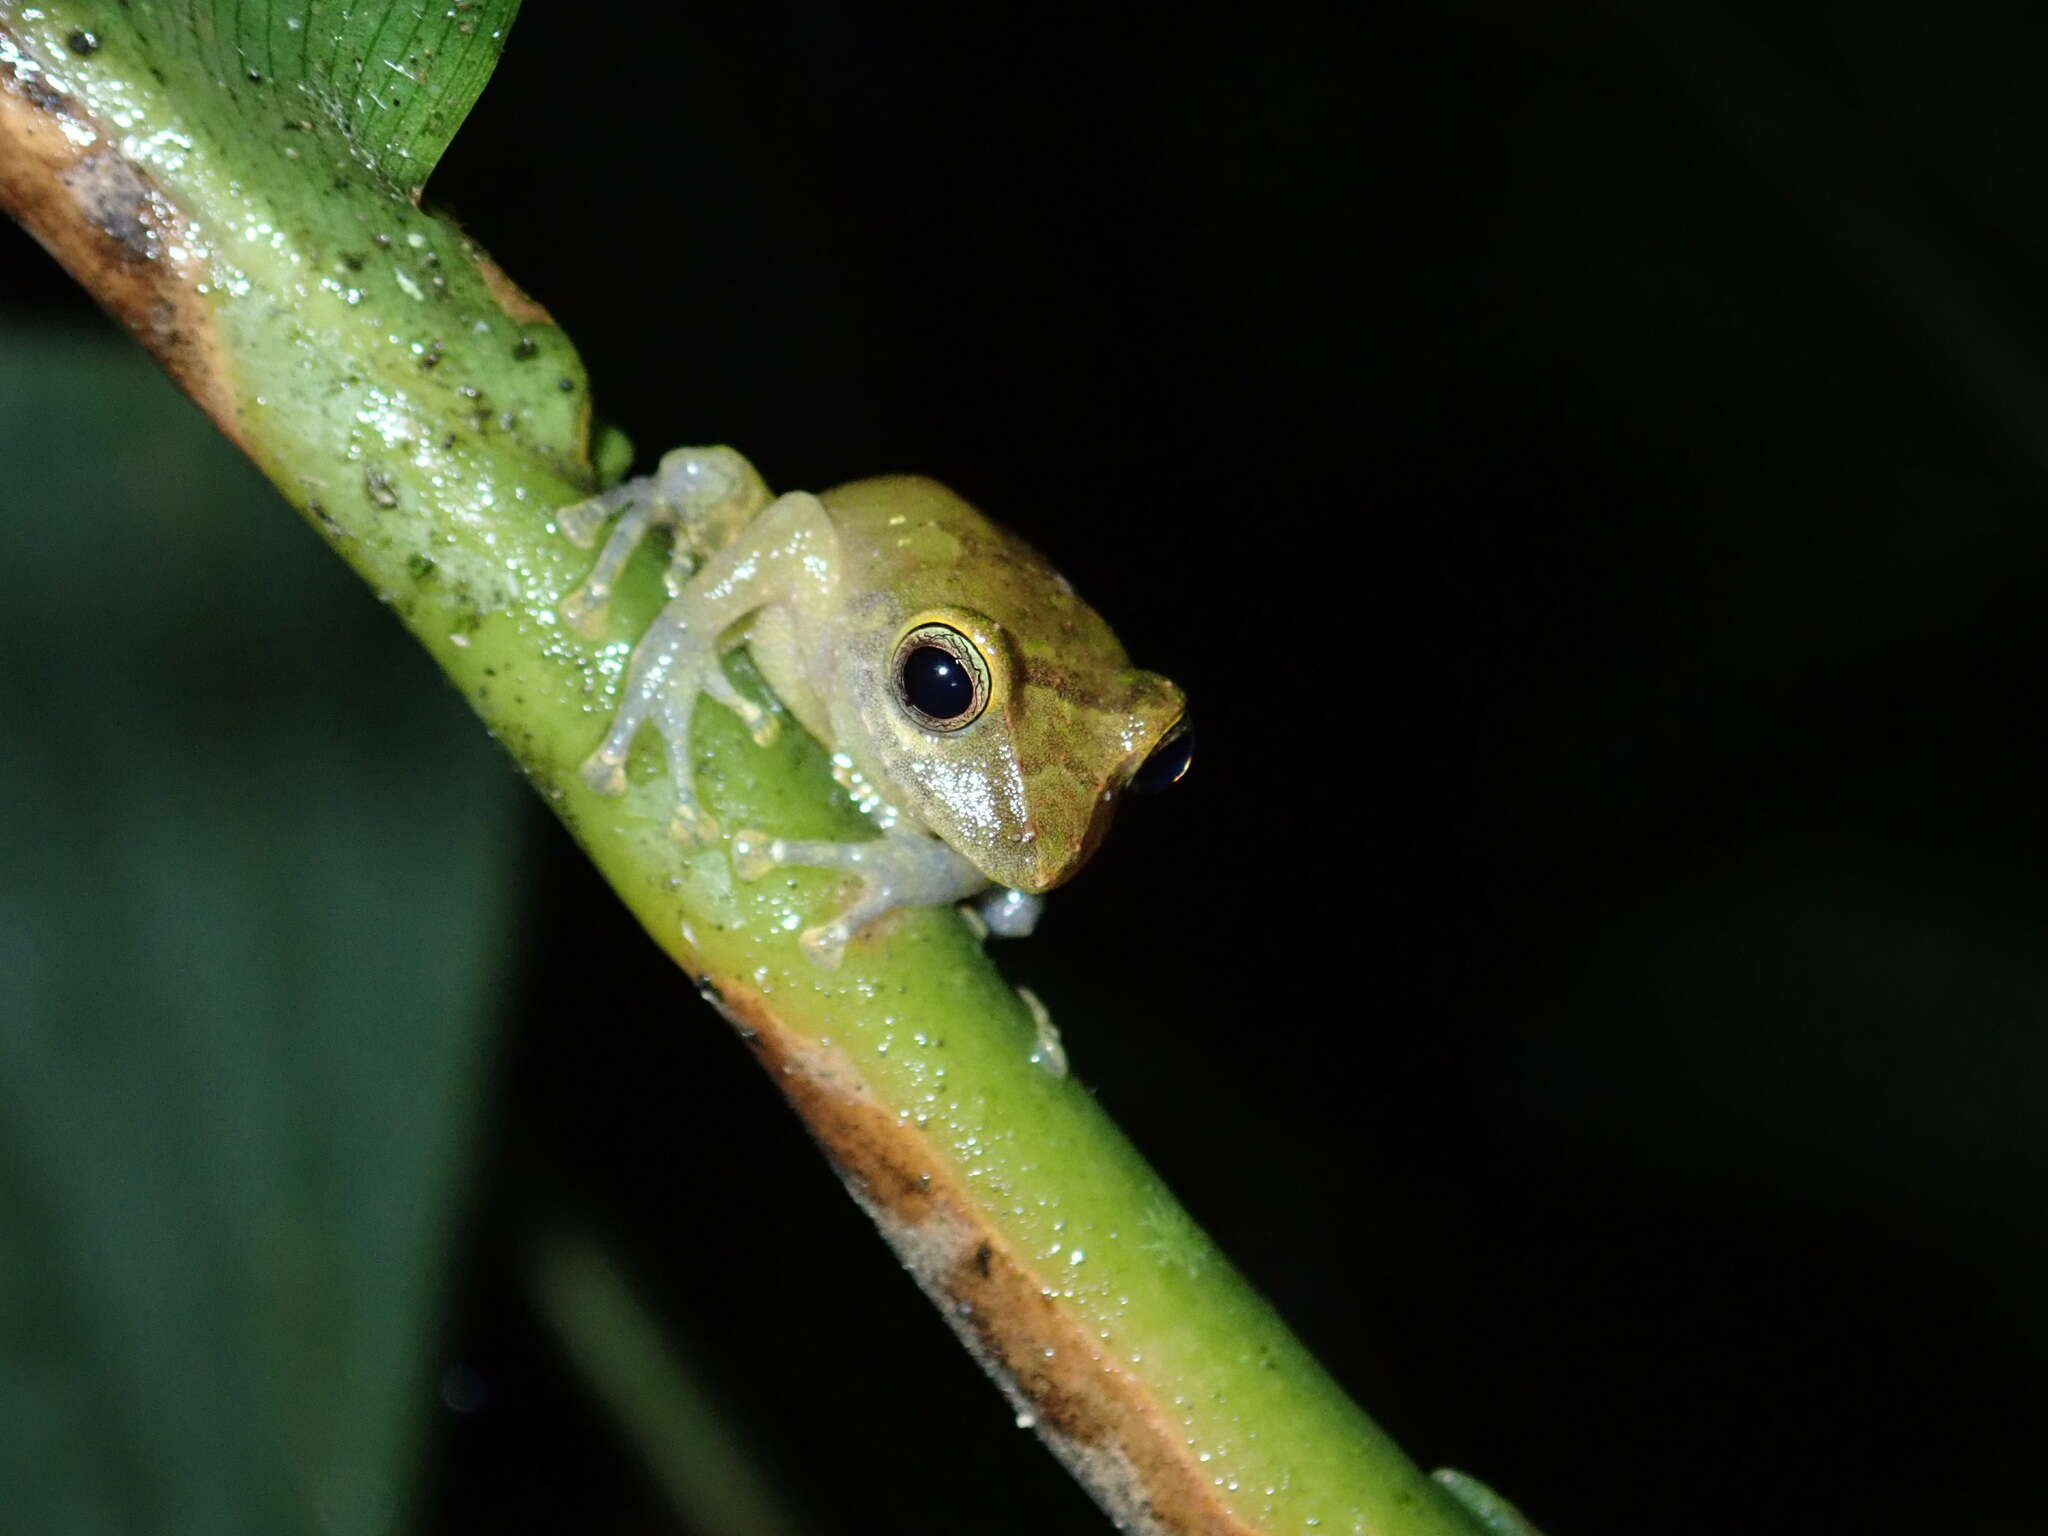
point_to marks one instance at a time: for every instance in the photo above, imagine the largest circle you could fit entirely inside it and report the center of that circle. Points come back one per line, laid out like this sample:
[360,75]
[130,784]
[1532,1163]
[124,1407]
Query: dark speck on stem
[83,43]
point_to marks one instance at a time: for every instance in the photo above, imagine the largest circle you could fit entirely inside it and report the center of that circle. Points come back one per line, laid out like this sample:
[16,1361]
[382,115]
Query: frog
[986,719]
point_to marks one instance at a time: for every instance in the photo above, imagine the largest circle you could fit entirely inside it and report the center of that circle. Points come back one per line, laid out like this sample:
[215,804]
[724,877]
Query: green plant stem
[427,418]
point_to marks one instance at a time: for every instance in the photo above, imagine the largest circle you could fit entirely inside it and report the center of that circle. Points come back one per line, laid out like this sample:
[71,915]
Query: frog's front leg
[783,549]
[902,868]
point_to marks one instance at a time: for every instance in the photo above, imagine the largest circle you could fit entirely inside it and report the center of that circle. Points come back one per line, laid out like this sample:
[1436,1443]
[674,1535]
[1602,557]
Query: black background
[1587,467]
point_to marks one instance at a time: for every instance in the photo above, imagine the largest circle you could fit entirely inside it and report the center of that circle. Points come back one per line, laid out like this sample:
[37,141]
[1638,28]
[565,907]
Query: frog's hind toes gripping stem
[693,827]
[754,854]
[605,772]
[579,522]
[826,944]
[588,606]
[705,495]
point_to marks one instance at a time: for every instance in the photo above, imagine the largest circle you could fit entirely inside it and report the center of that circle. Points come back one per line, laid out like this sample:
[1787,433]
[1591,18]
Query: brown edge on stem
[64,177]
[1102,1422]
[521,306]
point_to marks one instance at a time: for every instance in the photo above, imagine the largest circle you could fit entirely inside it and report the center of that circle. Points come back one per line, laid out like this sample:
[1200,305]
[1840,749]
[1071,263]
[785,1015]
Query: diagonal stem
[397,405]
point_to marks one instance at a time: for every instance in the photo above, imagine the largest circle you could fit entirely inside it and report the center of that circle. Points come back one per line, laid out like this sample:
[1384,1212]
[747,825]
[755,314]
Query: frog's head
[996,708]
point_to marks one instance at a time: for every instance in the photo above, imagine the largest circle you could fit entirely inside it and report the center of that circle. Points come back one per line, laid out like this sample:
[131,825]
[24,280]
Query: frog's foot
[660,688]
[826,943]
[715,492]
[692,826]
[589,605]
[605,771]
[580,522]
[900,869]
[762,723]
[705,494]
[750,856]
[1006,913]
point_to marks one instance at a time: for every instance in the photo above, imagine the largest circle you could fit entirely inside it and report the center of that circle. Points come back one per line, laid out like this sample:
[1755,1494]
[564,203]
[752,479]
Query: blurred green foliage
[1696,862]
[254,882]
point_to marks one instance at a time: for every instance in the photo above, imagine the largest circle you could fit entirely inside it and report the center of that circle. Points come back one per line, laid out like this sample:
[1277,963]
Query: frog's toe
[605,773]
[692,826]
[826,943]
[753,854]
[587,608]
[676,575]
[580,523]
[766,728]
[1009,914]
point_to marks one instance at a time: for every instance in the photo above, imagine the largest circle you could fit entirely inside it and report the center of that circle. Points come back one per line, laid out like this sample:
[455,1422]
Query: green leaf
[248,950]
[299,134]
[384,86]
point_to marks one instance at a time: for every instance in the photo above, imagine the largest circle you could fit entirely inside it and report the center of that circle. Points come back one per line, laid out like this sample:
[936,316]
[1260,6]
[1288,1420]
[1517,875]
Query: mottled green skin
[1027,790]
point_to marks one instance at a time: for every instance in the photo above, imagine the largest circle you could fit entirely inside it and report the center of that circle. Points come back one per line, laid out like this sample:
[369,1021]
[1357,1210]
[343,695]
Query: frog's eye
[941,679]
[1169,762]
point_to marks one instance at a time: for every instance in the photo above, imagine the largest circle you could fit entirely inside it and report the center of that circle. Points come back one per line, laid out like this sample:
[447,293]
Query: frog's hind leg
[704,495]
[716,493]
[589,605]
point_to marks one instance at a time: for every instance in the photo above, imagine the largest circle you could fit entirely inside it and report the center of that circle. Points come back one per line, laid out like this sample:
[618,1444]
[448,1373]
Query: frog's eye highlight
[941,679]
[1169,762]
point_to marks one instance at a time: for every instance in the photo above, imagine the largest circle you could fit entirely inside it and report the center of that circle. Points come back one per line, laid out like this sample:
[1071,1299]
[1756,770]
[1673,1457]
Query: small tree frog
[985,717]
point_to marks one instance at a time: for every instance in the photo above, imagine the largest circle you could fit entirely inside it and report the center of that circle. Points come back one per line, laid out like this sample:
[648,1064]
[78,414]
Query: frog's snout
[1039,870]
[1048,852]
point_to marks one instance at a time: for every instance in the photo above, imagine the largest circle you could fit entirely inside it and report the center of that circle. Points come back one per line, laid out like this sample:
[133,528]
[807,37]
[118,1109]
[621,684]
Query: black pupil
[935,684]
[1168,764]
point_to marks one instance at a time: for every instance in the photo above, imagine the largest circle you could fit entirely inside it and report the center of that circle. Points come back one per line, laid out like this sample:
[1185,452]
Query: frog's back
[927,547]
